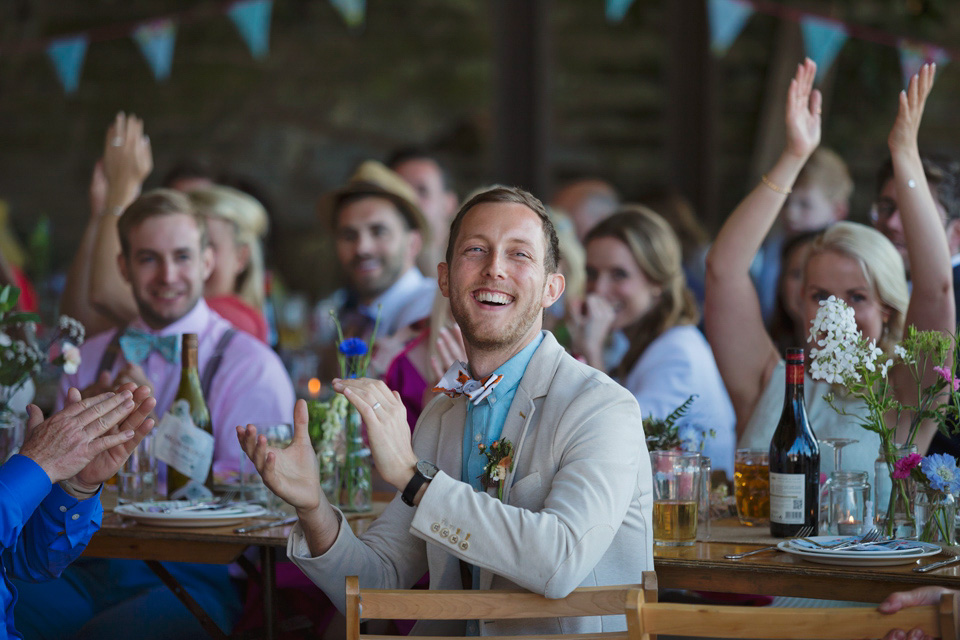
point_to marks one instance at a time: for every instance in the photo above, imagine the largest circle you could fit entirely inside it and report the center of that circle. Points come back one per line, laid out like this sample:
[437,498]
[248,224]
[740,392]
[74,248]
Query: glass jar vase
[935,513]
[893,497]
[356,488]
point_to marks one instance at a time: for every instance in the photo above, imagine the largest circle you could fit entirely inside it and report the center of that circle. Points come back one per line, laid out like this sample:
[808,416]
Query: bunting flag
[823,40]
[617,9]
[67,55]
[155,40]
[252,19]
[727,19]
[353,12]
[914,55]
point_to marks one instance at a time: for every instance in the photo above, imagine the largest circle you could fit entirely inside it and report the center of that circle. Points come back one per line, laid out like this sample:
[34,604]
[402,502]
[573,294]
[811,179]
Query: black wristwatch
[424,472]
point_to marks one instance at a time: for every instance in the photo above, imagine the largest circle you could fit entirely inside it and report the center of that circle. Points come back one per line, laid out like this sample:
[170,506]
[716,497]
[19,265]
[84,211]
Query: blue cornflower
[941,470]
[353,347]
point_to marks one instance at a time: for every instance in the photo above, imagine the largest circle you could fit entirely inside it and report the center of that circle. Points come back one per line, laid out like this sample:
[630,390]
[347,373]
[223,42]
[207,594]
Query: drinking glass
[751,486]
[837,444]
[138,476]
[279,435]
[703,509]
[676,496]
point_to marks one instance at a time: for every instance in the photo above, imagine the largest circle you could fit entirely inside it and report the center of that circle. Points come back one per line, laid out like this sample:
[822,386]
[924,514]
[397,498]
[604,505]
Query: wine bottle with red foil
[794,461]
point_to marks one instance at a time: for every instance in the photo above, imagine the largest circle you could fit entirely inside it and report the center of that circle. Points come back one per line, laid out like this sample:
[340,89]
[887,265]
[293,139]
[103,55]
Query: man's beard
[478,337]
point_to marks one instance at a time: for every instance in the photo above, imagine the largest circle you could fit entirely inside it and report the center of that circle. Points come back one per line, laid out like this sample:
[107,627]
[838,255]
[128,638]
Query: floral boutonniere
[499,464]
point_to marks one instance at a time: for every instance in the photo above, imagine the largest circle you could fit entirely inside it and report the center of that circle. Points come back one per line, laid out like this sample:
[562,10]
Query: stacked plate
[888,553]
[178,513]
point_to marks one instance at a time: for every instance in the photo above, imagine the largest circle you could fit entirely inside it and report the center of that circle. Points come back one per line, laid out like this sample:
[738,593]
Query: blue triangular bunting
[617,9]
[823,40]
[67,55]
[727,18]
[353,12]
[252,18]
[155,40]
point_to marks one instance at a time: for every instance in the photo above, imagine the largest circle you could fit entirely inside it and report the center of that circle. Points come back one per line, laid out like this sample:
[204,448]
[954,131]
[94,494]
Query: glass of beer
[751,486]
[676,495]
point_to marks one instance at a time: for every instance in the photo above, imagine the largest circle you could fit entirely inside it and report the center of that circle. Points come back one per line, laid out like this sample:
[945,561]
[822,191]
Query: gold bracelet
[774,186]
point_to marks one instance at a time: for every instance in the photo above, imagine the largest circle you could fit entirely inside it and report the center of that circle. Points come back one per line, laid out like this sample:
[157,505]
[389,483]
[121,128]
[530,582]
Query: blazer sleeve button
[464,545]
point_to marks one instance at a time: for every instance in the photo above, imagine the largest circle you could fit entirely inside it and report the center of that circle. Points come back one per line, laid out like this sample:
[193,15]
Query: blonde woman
[236,223]
[636,285]
[851,261]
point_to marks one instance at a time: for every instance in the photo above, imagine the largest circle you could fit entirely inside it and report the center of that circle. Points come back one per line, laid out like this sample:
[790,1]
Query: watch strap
[410,491]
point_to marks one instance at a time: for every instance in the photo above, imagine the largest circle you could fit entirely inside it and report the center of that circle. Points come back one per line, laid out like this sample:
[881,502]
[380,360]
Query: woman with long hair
[850,261]
[636,285]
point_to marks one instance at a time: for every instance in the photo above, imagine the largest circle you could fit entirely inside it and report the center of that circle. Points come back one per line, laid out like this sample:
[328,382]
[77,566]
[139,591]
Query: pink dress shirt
[250,386]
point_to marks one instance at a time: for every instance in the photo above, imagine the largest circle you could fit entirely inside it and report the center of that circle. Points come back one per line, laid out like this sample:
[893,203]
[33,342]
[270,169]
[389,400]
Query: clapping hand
[291,473]
[450,349]
[103,467]
[903,135]
[804,104]
[79,435]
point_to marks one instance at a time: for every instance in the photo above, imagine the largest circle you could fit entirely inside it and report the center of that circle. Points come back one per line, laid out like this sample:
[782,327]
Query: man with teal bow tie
[165,258]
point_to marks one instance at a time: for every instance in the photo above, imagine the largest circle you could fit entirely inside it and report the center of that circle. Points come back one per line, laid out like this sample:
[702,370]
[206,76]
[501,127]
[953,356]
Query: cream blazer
[577,507]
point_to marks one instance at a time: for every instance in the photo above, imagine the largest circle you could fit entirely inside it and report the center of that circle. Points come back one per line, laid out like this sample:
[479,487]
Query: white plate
[218,518]
[872,551]
[861,559]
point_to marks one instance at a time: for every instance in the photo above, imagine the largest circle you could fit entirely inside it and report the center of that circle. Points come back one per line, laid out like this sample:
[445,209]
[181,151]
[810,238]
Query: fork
[802,533]
[872,535]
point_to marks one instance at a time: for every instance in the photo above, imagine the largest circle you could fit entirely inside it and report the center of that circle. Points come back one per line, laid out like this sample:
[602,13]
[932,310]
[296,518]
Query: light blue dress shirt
[485,420]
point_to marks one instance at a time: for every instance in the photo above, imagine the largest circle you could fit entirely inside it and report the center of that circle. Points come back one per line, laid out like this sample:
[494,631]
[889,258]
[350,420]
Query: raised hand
[107,463]
[804,104]
[386,419]
[67,441]
[916,598]
[590,324]
[127,156]
[98,190]
[291,473]
[450,349]
[903,135]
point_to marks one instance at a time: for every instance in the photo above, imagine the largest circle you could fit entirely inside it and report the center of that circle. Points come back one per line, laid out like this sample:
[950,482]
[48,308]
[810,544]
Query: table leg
[268,572]
[205,620]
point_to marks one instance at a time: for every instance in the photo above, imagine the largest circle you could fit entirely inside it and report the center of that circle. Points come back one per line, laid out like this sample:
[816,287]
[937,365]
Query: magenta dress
[402,376]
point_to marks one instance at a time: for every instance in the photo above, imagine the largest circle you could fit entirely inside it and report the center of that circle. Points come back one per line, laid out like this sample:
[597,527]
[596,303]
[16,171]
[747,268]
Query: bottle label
[182,444]
[795,373]
[787,492]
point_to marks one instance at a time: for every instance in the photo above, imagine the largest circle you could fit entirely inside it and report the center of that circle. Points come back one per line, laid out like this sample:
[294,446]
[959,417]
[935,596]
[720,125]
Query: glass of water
[138,477]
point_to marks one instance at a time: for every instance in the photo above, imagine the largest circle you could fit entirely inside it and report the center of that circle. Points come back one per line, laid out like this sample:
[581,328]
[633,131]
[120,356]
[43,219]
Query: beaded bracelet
[774,186]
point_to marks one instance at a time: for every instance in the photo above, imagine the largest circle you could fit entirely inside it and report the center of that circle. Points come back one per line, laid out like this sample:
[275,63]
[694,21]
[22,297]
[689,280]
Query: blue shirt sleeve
[42,528]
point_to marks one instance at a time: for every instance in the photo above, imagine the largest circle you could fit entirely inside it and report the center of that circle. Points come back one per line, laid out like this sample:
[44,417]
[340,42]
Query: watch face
[428,469]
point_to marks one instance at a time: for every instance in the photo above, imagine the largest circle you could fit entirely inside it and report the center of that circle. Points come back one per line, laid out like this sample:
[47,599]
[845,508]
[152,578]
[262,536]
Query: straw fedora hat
[373,178]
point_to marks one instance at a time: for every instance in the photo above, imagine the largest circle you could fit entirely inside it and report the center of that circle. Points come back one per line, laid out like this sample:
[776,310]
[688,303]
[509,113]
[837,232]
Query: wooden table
[702,567]
[124,538]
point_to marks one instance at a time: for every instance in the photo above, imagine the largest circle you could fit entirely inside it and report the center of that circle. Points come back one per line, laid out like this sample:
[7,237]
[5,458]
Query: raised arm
[127,161]
[734,325]
[931,300]
[76,295]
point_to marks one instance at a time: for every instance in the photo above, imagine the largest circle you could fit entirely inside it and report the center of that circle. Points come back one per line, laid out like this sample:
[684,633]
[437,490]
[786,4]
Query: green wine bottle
[180,485]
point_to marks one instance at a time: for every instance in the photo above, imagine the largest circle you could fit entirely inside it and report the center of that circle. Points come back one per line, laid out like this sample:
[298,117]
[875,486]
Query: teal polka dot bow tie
[137,345]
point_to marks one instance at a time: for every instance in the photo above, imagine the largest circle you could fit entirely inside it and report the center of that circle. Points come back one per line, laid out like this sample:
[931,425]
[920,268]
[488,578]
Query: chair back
[645,618]
[420,604]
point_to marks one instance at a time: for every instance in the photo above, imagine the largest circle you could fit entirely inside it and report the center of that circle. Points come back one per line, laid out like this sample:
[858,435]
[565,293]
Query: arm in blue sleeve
[43,529]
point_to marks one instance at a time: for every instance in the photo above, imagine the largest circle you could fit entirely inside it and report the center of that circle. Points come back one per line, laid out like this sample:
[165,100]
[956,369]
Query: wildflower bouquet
[24,356]
[938,478]
[667,435]
[843,356]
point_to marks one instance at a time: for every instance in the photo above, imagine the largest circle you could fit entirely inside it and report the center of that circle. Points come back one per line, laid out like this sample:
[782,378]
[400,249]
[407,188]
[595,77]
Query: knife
[937,565]
[267,525]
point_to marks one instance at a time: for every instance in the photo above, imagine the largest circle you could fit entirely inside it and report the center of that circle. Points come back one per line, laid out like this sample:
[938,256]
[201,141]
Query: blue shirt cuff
[26,482]
[77,515]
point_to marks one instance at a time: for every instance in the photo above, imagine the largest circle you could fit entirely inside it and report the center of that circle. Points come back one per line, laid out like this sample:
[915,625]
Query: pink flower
[903,466]
[947,375]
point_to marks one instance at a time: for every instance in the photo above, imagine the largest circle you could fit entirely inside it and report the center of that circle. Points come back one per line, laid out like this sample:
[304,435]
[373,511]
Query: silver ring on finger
[376,405]
[117,141]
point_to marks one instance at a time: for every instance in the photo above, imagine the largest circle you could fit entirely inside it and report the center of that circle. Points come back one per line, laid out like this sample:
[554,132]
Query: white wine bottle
[794,461]
[190,403]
